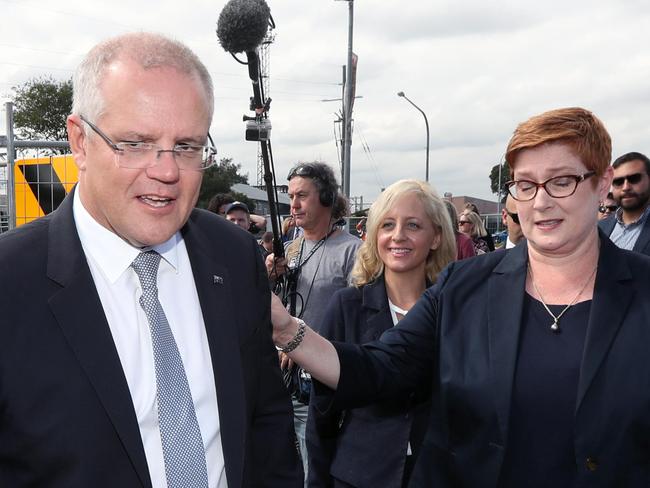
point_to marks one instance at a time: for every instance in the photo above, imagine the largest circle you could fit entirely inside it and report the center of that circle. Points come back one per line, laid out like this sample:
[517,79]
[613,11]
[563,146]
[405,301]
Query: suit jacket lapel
[375,299]
[612,297]
[506,288]
[213,287]
[78,311]
[644,237]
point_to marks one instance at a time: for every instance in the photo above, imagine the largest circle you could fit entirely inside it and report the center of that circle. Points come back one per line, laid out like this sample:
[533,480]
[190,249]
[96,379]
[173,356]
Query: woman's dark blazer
[462,338]
[369,447]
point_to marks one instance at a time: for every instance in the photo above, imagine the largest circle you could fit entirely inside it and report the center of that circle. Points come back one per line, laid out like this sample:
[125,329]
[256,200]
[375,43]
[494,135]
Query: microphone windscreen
[242,25]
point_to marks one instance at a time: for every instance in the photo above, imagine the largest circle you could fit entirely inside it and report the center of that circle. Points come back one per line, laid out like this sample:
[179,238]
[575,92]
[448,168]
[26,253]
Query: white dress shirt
[109,258]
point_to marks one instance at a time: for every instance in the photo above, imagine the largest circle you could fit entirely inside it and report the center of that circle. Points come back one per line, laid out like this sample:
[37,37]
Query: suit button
[591,463]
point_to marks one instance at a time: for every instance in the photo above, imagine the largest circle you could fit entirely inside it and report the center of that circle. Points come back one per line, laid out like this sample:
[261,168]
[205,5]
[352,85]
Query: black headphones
[322,176]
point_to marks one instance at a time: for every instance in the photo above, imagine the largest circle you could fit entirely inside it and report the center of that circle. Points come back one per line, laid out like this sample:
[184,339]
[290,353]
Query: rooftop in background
[485,207]
[260,198]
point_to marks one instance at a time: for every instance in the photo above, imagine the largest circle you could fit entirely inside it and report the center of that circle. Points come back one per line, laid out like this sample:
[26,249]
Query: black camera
[258,130]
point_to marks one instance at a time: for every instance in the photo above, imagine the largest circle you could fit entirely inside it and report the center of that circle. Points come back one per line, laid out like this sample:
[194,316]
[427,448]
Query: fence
[32,181]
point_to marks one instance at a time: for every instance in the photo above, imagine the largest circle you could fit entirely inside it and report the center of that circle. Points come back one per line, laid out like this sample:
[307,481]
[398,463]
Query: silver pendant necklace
[555,326]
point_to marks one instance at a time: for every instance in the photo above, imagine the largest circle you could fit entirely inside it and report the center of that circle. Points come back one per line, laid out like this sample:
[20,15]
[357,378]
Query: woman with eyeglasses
[537,358]
[472,226]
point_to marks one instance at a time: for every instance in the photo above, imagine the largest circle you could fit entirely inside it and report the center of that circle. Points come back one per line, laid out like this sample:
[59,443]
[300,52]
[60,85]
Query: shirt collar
[112,254]
[619,217]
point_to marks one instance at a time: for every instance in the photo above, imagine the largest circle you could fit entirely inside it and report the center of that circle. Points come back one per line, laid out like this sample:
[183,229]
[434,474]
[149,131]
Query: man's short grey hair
[148,50]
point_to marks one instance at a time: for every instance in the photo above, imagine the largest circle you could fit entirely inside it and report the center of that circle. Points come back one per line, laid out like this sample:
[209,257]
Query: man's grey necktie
[179,429]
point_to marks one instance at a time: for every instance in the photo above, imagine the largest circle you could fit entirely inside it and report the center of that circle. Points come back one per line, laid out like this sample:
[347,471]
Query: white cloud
[476,68]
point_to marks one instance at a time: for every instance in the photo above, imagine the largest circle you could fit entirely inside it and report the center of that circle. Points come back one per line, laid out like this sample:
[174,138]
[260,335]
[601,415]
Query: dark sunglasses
[514,216]
[461,222]
[607,208]
[632,179]
[303,171]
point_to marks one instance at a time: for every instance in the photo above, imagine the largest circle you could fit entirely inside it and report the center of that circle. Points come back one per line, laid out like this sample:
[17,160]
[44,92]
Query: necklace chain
[555,326]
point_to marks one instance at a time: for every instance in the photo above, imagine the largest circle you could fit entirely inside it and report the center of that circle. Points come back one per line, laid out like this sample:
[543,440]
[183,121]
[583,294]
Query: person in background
[319,263]
[361,228]
[510,219]
[471,207]
[537,358]
[238,214]
[219,202]
[629,227]
[266,244]
[607,207]
[134,347]
[410,239]
[289,229]
[472,226]
[464,244]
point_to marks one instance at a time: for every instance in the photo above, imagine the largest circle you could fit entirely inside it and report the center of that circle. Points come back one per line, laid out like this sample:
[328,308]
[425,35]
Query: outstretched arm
[314,353]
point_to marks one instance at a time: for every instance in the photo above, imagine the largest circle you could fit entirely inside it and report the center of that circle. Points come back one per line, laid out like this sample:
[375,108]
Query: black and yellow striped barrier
[41,184]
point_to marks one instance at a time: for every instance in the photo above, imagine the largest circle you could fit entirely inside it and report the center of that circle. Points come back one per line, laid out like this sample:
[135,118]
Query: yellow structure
[41,184]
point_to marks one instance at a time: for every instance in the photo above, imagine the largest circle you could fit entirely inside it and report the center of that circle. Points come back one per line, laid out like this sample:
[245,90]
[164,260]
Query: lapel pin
[217,280]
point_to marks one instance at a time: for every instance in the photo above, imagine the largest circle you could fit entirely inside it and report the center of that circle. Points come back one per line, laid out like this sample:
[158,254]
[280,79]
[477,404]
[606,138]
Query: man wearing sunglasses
[629,226]
[510,219]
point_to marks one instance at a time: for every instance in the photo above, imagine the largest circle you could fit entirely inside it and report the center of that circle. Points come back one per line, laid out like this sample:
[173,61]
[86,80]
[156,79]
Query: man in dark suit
[629,226]
[132,354]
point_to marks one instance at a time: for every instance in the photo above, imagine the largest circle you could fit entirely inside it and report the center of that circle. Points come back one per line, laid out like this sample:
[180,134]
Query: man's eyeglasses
[632,179]
[141,155]
[514,216]
[556,187]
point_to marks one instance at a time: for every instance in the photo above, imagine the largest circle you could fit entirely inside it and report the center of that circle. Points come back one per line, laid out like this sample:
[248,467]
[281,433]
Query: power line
[371,158]
[42,9]
[48,51]
[331,83]
[37,67]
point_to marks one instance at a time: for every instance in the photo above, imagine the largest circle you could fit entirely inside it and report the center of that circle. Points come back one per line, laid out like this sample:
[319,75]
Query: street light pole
[426,122]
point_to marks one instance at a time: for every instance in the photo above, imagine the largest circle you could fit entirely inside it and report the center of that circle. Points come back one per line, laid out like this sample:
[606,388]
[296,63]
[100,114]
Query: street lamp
[426,122]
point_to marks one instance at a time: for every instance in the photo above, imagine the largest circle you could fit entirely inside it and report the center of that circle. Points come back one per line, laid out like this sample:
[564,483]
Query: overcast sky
[476,68]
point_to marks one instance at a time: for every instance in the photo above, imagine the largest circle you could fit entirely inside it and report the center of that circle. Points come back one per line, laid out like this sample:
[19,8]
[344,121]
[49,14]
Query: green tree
[41,106]
[495,184]
[219,178]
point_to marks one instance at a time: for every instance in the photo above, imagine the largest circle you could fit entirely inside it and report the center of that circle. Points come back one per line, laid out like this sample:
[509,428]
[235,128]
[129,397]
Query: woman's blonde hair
[368,266]
[478,229]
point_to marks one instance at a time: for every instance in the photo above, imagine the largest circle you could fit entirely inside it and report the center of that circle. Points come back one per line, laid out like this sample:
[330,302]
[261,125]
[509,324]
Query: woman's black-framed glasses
[557,187]
[141,155]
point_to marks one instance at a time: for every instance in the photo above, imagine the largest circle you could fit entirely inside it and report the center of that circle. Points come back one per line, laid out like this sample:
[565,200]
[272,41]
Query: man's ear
[77,140]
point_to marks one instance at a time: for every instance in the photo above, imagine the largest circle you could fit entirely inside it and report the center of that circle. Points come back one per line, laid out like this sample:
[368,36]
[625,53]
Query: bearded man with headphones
[319,261]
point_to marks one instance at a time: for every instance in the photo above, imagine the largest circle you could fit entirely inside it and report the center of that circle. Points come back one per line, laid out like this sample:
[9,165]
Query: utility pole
[347,107]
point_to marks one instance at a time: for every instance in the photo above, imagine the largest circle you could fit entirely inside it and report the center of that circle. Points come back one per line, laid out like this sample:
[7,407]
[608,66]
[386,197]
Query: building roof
[258,195]
[484,206]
